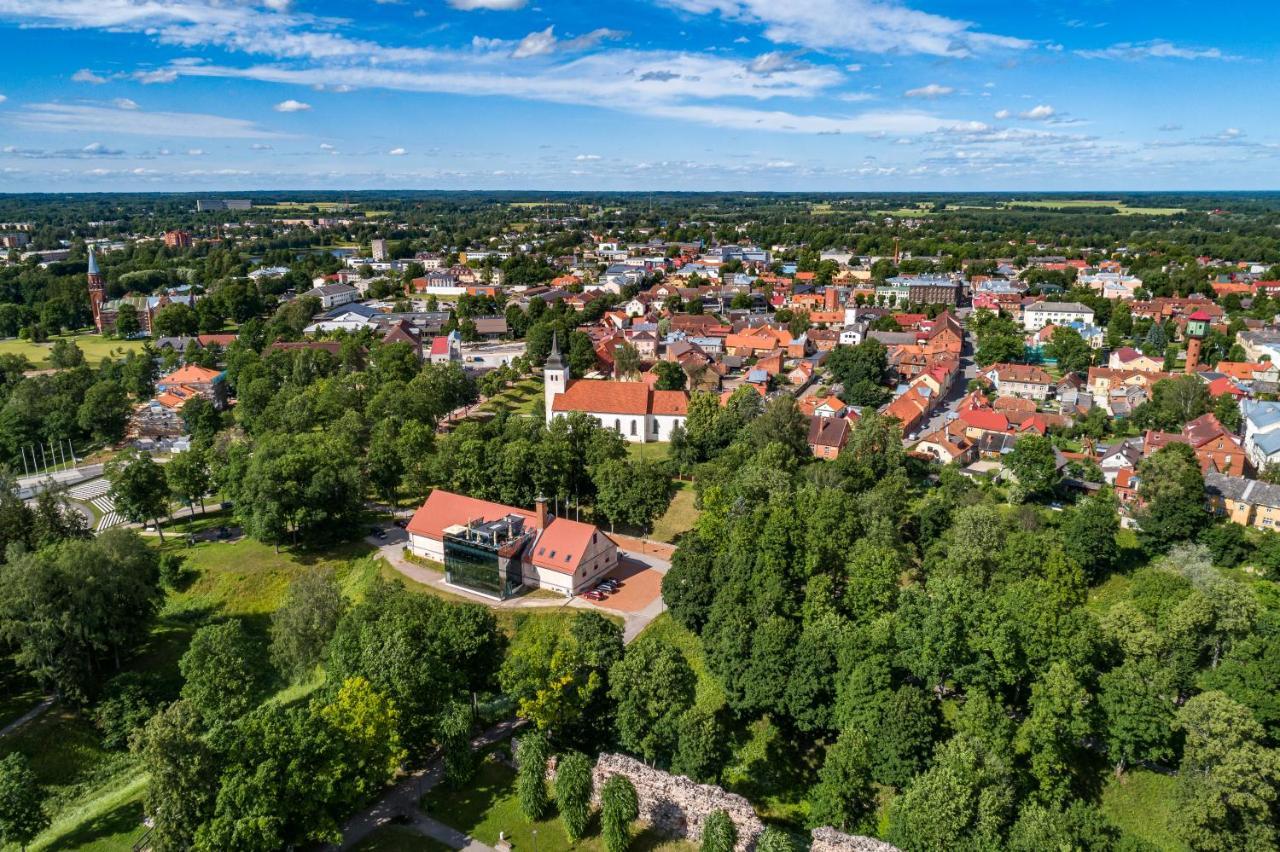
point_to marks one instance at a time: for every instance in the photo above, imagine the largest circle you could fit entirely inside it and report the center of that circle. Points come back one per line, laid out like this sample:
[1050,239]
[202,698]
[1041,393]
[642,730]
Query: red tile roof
[607,397]
[189,374]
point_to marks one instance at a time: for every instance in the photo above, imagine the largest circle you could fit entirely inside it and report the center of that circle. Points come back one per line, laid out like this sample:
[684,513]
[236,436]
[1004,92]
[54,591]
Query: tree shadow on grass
[123,824]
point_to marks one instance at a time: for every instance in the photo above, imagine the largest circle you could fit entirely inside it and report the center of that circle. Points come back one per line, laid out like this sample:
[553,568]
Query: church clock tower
[555,376]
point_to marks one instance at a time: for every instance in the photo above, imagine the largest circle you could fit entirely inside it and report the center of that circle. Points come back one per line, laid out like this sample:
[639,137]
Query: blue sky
[852,95]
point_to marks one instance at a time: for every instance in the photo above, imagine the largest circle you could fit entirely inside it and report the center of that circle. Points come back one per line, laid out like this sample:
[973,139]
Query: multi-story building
[1036,316]
[177,239]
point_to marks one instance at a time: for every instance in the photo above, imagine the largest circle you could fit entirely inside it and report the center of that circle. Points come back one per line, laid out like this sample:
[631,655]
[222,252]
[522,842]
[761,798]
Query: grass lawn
[652,451]
[680,516]
[1141,806]
[664,628]
[94,346]
[521,398]
[399,838]
[489,805]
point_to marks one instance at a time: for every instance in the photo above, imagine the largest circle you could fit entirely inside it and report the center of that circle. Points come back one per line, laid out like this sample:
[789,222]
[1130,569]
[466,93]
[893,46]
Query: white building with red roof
[635,410]
[492,549]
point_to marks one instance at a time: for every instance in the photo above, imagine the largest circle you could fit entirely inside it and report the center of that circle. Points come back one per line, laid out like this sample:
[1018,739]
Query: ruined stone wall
[676,806]
[830,840]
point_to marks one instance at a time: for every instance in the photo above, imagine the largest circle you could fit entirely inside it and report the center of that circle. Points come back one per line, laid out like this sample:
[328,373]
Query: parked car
[377,532]
[402,522]
[593,595]
[609,585]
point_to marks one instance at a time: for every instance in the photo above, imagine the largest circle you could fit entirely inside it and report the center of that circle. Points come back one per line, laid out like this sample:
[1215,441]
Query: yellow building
[1248,502]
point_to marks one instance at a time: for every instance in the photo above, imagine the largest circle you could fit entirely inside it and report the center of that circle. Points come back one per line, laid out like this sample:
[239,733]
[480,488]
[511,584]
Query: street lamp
[535,840]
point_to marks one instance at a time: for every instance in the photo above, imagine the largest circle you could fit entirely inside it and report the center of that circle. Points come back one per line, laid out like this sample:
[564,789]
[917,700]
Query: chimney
[541,504]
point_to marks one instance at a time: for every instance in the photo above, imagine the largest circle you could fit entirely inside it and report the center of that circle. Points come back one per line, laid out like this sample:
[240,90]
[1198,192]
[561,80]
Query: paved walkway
[402,801]
[30,715]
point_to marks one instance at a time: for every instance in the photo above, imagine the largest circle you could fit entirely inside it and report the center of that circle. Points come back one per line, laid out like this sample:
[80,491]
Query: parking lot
[641,586]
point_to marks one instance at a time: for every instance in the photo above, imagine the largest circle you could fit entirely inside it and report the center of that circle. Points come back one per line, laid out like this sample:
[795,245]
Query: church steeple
[554,361]
[555,378]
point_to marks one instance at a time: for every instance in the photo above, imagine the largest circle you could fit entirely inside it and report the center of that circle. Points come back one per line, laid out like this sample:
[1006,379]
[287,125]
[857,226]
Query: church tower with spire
[97,290]
[555,376]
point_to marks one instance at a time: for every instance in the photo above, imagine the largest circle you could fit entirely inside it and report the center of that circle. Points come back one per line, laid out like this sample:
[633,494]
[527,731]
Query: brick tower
[97,291]
[1196,331]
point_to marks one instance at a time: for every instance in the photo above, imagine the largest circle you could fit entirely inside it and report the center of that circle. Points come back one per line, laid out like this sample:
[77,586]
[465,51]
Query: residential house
[1216,449]
[827,436]
[1248,502]
[1021,380]
[1261,432]
[1128,358]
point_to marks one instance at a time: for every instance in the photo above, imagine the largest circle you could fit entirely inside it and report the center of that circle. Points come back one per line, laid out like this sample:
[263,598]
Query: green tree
[305,622]
[1089,532]
[176,320]
[105,411]
[201,419]
[701,748]
[719,834]
[1137,703]
[1079,827]
[862,372]
[127,323]
[139,488]
[903,739]
[1227,409]
[774,839]
[22,814]
[963,801]
[460,760]
[531,776]
[573,786]
[183,771]
[222,677]
[1034,463]
[189,477]
[1069,350]
[844,797]
[582,354]
[75,608]
[626,362]
[619,807]
[1172,487]
[633,494]
[1052,737]
[65,354]
[671,376]
[653,686]
[1227,788]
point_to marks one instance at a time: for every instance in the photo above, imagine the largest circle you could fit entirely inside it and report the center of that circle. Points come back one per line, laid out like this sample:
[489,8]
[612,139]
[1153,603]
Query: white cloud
[196,152]
[492,5]
[163,75]
[291,105]
[260,146]
[587,157]
[1230,133]
[397,152]
[854,68]
[92,117]
[126,103]
[535,44]
[933,90]
[861,25]
[1169,128]
[772,62]
[1003,114]
[3,98]
[543,42]
[1156,49]
[1041,112]
[84,75]
[780,164]
[325,146]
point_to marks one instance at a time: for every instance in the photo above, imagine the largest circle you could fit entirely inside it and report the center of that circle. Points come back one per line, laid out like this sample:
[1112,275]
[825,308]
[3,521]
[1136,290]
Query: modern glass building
[486,556]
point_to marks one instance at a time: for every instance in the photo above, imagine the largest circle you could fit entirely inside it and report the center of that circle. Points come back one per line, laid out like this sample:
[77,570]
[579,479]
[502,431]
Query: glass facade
[482,562]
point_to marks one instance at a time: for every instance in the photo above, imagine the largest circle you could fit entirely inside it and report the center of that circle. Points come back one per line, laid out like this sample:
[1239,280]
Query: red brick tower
[97,291]
[1196,330]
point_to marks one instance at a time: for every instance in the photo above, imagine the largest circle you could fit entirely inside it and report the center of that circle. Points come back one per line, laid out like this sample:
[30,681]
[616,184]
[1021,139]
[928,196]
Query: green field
[680,516]
[94,346]
[294,206]
[1141,805]
[652,451]
[1119,206]
[488,805]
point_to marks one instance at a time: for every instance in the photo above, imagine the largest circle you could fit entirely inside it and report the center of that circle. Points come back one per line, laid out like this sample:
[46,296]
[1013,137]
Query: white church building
[633,409]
